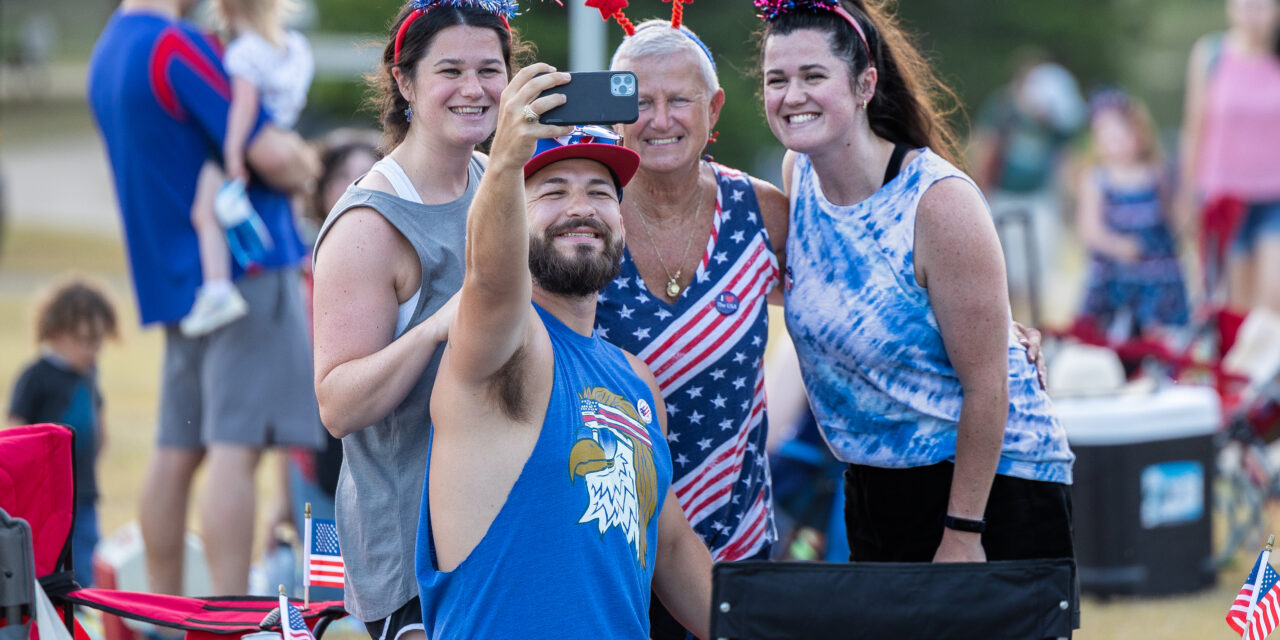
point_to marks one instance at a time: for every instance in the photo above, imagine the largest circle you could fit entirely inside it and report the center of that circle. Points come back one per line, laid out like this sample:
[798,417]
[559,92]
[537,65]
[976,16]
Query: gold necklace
[673,281]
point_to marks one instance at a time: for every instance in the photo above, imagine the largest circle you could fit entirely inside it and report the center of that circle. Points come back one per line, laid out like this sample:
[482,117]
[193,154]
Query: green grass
[32,261]
[32,123]
[34,258]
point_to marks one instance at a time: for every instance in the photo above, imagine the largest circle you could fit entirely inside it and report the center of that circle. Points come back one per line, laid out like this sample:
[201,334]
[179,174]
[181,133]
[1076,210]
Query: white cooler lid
[1168,414]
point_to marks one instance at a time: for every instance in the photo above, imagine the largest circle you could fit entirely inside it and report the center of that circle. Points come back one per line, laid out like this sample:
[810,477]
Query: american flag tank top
[707,352]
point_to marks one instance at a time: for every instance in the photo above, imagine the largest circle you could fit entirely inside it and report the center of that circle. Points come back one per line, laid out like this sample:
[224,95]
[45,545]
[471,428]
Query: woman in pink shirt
[1231,144]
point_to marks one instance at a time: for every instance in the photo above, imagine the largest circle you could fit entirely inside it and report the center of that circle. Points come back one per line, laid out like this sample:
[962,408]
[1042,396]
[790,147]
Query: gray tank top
[380,485]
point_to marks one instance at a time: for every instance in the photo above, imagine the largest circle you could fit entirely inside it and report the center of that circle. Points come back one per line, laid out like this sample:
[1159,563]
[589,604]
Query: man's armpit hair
[507,389]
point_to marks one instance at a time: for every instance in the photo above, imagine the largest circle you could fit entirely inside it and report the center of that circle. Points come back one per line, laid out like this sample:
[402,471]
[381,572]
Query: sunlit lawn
[33,258]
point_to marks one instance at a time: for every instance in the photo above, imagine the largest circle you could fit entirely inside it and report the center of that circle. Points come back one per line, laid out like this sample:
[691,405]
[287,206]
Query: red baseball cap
[589,142]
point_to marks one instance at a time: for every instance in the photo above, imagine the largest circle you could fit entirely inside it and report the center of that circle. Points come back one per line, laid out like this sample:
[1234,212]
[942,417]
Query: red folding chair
[37,484]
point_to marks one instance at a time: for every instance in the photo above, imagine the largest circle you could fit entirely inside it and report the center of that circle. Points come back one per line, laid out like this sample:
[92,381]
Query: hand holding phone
[596,97]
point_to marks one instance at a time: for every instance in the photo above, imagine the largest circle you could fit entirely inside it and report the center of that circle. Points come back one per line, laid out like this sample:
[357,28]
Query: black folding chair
[17,578]
[1006,600]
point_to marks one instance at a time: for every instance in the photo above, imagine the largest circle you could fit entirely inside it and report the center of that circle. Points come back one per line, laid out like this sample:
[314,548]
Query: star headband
[770,10]
[504,9]
[613,9]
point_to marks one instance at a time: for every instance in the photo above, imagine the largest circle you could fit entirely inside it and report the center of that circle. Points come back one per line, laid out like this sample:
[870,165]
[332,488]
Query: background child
[1135,282]
[268,65]
[61,386]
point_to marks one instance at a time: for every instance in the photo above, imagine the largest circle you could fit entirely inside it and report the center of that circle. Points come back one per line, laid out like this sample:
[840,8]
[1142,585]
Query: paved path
[63,183]
[55,169]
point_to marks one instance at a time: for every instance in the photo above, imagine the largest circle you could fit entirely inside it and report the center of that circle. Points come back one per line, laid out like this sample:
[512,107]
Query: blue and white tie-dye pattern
[878,376]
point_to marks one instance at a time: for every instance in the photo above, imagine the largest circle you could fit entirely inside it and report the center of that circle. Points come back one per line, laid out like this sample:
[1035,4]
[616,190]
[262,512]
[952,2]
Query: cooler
[1143,472]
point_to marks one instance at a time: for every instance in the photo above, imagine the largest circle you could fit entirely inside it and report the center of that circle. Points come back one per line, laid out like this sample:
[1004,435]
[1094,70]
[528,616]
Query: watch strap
[964,524]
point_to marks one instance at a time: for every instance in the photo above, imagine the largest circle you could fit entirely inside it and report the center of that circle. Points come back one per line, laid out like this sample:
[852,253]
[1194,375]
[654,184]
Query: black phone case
[596,97]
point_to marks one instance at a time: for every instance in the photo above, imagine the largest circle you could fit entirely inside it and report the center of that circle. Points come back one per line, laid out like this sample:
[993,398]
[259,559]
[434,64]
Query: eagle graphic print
[613,454]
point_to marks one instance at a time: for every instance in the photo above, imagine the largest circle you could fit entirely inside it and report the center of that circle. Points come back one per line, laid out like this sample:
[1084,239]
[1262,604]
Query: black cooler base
[1143,516]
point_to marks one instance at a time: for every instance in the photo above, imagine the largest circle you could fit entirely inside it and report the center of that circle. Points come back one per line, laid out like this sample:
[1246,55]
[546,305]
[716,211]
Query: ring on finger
[530,115]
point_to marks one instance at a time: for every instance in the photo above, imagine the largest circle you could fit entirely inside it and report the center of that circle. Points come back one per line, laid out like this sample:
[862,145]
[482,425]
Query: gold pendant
[673,289]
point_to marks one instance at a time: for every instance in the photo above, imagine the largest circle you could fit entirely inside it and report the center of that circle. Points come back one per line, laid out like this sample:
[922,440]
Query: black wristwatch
[964,524]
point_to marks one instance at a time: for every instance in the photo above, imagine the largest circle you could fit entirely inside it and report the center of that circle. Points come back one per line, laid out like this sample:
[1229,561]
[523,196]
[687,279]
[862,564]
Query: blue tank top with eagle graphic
[571,553]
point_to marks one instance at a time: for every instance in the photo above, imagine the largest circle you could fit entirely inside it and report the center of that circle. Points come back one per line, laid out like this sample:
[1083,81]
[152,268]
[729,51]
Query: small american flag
[324,559]
[292,626]
[1266,612]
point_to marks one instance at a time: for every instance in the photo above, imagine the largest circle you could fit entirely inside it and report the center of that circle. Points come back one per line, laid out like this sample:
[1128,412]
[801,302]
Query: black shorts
[406,618]
[895,515]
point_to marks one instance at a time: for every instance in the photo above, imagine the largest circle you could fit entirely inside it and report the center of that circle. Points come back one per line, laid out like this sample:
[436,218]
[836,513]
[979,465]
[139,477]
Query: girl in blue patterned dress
[897,303]
[1135,282]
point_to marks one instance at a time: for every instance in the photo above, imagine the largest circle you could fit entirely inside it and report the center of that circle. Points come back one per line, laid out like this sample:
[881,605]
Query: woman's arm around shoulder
[774,213]
[775,206]
[361,374]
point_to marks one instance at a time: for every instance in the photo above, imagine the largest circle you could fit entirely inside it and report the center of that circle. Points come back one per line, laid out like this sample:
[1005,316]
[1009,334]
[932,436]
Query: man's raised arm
[493,307]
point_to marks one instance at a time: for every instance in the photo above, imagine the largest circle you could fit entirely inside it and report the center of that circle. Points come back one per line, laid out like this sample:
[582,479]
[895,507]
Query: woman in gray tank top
[388,261]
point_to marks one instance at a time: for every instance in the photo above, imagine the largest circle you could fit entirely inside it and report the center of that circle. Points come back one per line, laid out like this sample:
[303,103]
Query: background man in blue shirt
[159,95]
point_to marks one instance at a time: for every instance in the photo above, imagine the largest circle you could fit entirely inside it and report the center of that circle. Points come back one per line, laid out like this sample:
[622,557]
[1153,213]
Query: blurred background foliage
[1141,45]
[1138,44]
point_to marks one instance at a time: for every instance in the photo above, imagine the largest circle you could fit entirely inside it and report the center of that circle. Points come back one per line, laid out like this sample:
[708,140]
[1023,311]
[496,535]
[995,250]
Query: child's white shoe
[217,304]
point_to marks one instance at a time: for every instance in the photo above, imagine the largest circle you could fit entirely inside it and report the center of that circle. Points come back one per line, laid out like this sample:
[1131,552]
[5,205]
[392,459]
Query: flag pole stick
[284,614]
[306,561]
[1257,584]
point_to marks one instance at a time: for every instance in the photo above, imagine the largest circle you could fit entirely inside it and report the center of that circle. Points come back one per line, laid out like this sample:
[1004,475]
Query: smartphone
[596,97]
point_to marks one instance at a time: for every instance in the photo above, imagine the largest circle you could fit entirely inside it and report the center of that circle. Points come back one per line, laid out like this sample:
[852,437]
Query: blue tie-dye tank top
[878,377]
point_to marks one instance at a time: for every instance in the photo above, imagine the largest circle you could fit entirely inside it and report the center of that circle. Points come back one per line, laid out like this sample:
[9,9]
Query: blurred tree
[976,44]
[1140,44]
[362,16]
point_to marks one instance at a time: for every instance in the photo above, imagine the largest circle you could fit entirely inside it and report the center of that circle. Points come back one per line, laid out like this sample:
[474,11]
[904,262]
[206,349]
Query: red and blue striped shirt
[160,96]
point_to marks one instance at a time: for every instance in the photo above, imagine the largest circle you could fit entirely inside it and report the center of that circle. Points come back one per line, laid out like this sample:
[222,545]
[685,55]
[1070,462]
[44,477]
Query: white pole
[586,38]
[284,614]
[306,556]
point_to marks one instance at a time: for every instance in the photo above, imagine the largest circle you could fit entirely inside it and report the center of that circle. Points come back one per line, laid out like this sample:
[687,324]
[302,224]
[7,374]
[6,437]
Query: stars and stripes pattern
[1266,612]
[597,414]
[707,352]
[324,566]
[292,626]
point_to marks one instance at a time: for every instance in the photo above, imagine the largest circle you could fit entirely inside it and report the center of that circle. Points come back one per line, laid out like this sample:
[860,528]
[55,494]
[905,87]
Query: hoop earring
[408,114]
[863,105]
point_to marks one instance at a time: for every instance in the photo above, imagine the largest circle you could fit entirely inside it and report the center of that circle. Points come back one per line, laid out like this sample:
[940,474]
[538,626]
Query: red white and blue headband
[613,9]
[504,9]
[770,10]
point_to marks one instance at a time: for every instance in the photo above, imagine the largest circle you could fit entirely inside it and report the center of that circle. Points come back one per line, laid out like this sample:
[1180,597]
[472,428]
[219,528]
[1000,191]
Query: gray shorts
[248,383]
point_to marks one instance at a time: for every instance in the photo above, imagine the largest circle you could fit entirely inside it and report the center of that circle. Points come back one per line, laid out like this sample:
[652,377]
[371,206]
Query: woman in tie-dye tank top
[897,303]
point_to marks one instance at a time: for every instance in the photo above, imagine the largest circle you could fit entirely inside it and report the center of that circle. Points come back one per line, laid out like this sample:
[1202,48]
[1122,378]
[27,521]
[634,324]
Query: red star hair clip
[613,9]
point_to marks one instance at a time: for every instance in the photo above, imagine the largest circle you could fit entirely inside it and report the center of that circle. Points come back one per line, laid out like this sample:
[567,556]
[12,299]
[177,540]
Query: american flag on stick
[1256,609]
[323,560]
[292,626]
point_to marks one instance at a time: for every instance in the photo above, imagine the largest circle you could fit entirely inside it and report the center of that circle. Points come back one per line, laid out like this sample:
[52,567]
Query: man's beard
[582,274]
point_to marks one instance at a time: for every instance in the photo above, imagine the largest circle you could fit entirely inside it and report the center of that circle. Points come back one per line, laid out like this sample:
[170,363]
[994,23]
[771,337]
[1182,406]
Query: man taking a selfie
[547,509]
